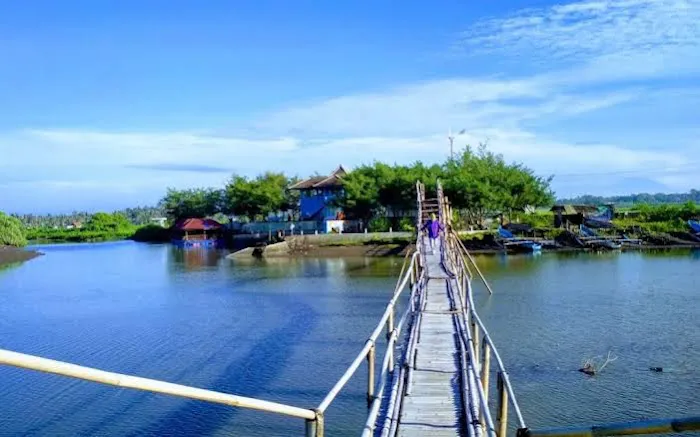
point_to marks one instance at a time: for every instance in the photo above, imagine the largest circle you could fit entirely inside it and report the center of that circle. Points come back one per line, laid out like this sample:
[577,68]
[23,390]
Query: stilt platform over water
[440,375]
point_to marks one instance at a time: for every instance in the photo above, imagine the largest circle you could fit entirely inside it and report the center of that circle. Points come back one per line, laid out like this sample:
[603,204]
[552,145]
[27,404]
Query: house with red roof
[198,232]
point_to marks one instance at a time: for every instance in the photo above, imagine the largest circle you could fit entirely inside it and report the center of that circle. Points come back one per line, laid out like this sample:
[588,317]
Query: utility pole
[451,138]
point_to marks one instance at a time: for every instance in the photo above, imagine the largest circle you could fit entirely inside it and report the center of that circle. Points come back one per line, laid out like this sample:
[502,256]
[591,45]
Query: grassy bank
[77,235]
[357,241]
[147,233]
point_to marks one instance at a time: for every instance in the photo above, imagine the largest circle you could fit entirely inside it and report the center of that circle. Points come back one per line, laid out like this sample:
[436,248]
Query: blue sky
[105,104]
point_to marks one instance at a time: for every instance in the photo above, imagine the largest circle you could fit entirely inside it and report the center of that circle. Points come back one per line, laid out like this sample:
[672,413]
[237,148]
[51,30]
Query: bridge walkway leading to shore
[438,370]
[433,405]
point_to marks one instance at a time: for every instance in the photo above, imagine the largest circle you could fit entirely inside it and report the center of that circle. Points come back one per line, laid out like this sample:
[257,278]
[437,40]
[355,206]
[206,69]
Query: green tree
[259,197]
[109,223]
[12,232]
[482,184]
[197,202]
[360,198]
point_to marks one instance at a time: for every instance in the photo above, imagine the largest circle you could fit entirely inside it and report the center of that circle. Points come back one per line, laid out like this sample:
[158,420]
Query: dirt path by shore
[10,255]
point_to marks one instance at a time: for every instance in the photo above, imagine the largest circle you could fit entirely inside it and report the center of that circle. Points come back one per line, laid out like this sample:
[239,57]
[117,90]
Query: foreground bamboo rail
[390,383]
[146,384]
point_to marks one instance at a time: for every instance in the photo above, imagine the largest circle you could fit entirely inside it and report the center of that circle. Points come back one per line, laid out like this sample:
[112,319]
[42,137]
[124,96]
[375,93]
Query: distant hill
[653,199]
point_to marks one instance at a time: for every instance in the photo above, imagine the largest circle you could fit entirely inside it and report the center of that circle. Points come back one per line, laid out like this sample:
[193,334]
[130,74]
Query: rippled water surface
[285,330]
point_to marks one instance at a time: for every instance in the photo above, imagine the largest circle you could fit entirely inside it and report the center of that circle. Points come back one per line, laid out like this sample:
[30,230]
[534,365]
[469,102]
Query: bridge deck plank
[434,406]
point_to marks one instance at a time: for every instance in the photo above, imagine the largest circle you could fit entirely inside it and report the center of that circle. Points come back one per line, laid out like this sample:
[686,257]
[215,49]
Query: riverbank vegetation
[637,218]
[137,216]
[478,182]
[12,232]
[637,199]
[485,190]
[98,227]
[12,240]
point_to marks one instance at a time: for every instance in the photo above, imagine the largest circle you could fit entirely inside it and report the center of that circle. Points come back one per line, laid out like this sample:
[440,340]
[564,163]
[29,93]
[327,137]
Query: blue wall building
[317,195]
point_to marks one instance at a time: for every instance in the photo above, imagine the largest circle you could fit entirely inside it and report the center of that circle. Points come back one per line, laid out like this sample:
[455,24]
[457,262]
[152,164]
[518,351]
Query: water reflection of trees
[6,267]
[671,253]
[274,268]
[194,258]
[500,262]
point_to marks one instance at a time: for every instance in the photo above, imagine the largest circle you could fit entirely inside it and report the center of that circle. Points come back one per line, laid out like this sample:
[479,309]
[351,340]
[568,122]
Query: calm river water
[285,330]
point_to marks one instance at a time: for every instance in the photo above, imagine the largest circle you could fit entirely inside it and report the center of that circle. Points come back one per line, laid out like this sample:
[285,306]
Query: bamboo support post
[311,427]
[486,369]
[476,339]
[502,406]
[390,323]
[371,358]
[320,424]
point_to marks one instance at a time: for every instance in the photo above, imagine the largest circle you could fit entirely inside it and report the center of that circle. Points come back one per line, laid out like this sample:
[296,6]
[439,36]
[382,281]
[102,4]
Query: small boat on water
[511,242]
[694,226]
[598,241]
[530,246]
[607,244]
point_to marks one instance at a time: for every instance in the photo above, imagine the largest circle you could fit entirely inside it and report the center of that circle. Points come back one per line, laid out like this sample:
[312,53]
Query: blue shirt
[434,227]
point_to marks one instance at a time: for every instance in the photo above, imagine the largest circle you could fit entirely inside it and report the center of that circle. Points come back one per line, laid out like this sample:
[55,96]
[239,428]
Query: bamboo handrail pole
[371,357]
[502,407]
[497,357]
[145,384]
[386,365]
[392,302]
[479,390]
[472,314]
[376,402]
[365,350]
[323,406]
[486,370]
[476,267]
[403,268]
[467,346]
[399,381]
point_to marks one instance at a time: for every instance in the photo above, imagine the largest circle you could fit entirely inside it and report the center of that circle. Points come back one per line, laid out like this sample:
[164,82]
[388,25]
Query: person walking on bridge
[434,227]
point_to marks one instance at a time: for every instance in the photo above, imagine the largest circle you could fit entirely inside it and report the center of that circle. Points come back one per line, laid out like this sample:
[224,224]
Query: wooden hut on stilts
[198,232]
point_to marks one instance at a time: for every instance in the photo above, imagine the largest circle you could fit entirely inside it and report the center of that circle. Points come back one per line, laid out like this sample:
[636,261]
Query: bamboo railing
[476,359]
[479,350]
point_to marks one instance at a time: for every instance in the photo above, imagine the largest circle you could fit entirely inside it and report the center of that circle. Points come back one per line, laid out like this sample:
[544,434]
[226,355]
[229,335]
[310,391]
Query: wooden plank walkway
[434,404]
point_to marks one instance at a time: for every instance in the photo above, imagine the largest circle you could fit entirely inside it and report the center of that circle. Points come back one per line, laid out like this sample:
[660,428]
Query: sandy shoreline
[11,255]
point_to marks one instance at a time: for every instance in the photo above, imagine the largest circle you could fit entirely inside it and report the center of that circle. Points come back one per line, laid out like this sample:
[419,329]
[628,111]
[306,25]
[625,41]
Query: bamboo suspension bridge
[441,374]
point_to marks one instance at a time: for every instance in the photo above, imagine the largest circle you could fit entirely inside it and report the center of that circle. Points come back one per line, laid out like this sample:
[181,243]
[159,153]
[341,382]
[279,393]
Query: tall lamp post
[451,138]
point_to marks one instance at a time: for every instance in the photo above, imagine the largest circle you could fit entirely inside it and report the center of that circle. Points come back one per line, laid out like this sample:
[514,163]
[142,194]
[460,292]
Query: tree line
[137,216]
[248,198]
[478,182]
[641,198]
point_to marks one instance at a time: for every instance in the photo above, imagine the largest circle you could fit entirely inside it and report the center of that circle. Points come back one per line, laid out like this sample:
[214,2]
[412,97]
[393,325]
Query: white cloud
[583,30]
[90,147]
[588,52]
